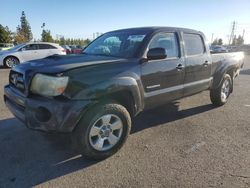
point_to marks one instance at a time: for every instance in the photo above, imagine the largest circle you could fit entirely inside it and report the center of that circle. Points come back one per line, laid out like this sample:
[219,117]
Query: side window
[168,41]
[30,47]
[45,46]
[194,44]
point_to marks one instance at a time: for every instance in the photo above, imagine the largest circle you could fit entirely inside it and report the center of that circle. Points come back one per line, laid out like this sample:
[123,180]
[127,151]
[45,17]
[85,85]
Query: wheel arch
[124,98]
[218,78]
[123,91]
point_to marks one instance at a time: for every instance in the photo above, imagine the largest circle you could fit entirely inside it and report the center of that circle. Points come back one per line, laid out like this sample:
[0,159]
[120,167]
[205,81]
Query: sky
[80,19]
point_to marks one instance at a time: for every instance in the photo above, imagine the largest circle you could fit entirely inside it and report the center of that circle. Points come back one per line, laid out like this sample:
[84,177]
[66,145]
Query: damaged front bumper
[46,114]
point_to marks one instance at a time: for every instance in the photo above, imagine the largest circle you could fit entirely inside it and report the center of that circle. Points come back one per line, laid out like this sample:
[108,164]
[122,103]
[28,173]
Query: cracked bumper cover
[45,114]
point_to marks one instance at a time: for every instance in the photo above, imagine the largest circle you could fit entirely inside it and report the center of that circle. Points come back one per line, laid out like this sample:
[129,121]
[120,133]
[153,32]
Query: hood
[5,52]
[62,63]
[8,51]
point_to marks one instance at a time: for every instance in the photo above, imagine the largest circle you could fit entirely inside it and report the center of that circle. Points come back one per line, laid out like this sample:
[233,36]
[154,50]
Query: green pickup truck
[94,95]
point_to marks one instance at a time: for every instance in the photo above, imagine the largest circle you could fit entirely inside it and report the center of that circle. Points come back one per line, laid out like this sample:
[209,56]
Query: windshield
[116,44]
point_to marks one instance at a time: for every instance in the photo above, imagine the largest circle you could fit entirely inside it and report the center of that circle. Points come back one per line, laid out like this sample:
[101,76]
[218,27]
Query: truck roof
[157,28]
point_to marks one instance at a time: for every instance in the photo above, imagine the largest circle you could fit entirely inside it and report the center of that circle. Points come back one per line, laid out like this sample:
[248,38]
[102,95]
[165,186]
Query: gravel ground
[188,143]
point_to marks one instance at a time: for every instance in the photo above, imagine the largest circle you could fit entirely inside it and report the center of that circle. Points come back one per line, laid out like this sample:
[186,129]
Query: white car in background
[6,46]
[29,51]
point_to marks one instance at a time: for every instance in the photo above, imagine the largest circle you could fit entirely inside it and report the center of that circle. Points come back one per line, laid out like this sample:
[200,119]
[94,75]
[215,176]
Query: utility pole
[232,33]
[212,39]
[243,34]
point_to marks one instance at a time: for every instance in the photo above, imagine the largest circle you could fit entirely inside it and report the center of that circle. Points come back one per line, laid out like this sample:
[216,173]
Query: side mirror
[23,49]
[156,53]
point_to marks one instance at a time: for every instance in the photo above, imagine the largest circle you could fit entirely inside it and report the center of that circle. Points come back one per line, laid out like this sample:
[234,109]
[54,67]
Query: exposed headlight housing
[49,86]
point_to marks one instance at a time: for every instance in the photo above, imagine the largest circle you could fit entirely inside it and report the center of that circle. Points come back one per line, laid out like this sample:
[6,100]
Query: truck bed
[228,55]
[233,59]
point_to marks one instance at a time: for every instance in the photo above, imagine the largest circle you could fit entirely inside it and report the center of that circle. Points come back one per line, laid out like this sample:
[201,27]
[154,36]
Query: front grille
[16,80]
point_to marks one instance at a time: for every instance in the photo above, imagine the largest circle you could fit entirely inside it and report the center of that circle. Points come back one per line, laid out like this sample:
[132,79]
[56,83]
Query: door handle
[179,67]
[206,64]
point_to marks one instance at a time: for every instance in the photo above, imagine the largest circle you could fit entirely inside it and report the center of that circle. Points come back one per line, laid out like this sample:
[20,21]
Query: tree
[23,33]
[238,41]
[5,35]
[72,41]
[217,42]
[67,41]
[86,42]
[62,41]
[46,36]
[220,42]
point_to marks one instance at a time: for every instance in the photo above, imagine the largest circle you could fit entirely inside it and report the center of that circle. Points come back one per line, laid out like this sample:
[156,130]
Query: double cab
[94,95]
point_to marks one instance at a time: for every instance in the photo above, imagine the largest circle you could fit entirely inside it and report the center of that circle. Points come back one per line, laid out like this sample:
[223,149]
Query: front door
[163,79]
[29,52]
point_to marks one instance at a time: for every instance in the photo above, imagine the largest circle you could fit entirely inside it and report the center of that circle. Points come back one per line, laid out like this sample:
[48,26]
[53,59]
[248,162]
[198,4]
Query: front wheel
[220,95]
[11,61]
[102,131]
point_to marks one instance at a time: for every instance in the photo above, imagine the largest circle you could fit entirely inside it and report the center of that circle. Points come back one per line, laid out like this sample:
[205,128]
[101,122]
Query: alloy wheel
[106,132]
[11,62]
[225,90]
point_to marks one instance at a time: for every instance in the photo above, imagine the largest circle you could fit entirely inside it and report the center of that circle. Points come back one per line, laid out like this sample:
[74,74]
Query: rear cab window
[194,44]
[168,41]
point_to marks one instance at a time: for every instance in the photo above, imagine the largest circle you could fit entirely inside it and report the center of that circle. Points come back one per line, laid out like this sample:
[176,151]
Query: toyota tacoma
[94,95]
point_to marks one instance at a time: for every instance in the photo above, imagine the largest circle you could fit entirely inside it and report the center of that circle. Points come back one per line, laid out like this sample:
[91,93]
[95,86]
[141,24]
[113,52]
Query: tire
[11,61]
[102,131]
[220,95]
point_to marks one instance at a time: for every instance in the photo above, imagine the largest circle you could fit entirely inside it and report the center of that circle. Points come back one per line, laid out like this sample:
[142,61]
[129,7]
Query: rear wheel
[102,131]
[220,95]
[11,61]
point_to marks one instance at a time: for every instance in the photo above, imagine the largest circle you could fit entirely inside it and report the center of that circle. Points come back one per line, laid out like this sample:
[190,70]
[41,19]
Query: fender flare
[120,84]
[220,73]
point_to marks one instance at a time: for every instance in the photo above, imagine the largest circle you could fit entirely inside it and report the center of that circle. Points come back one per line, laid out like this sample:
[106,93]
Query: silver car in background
[218,49]
[29,51]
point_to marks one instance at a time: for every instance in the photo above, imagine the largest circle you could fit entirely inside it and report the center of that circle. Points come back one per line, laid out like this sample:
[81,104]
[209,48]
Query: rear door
[56,50]
[198,64]
[46,50]
[163,79]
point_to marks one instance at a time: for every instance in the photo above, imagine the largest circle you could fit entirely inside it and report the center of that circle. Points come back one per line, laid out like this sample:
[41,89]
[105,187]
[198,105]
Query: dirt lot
[188,143]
